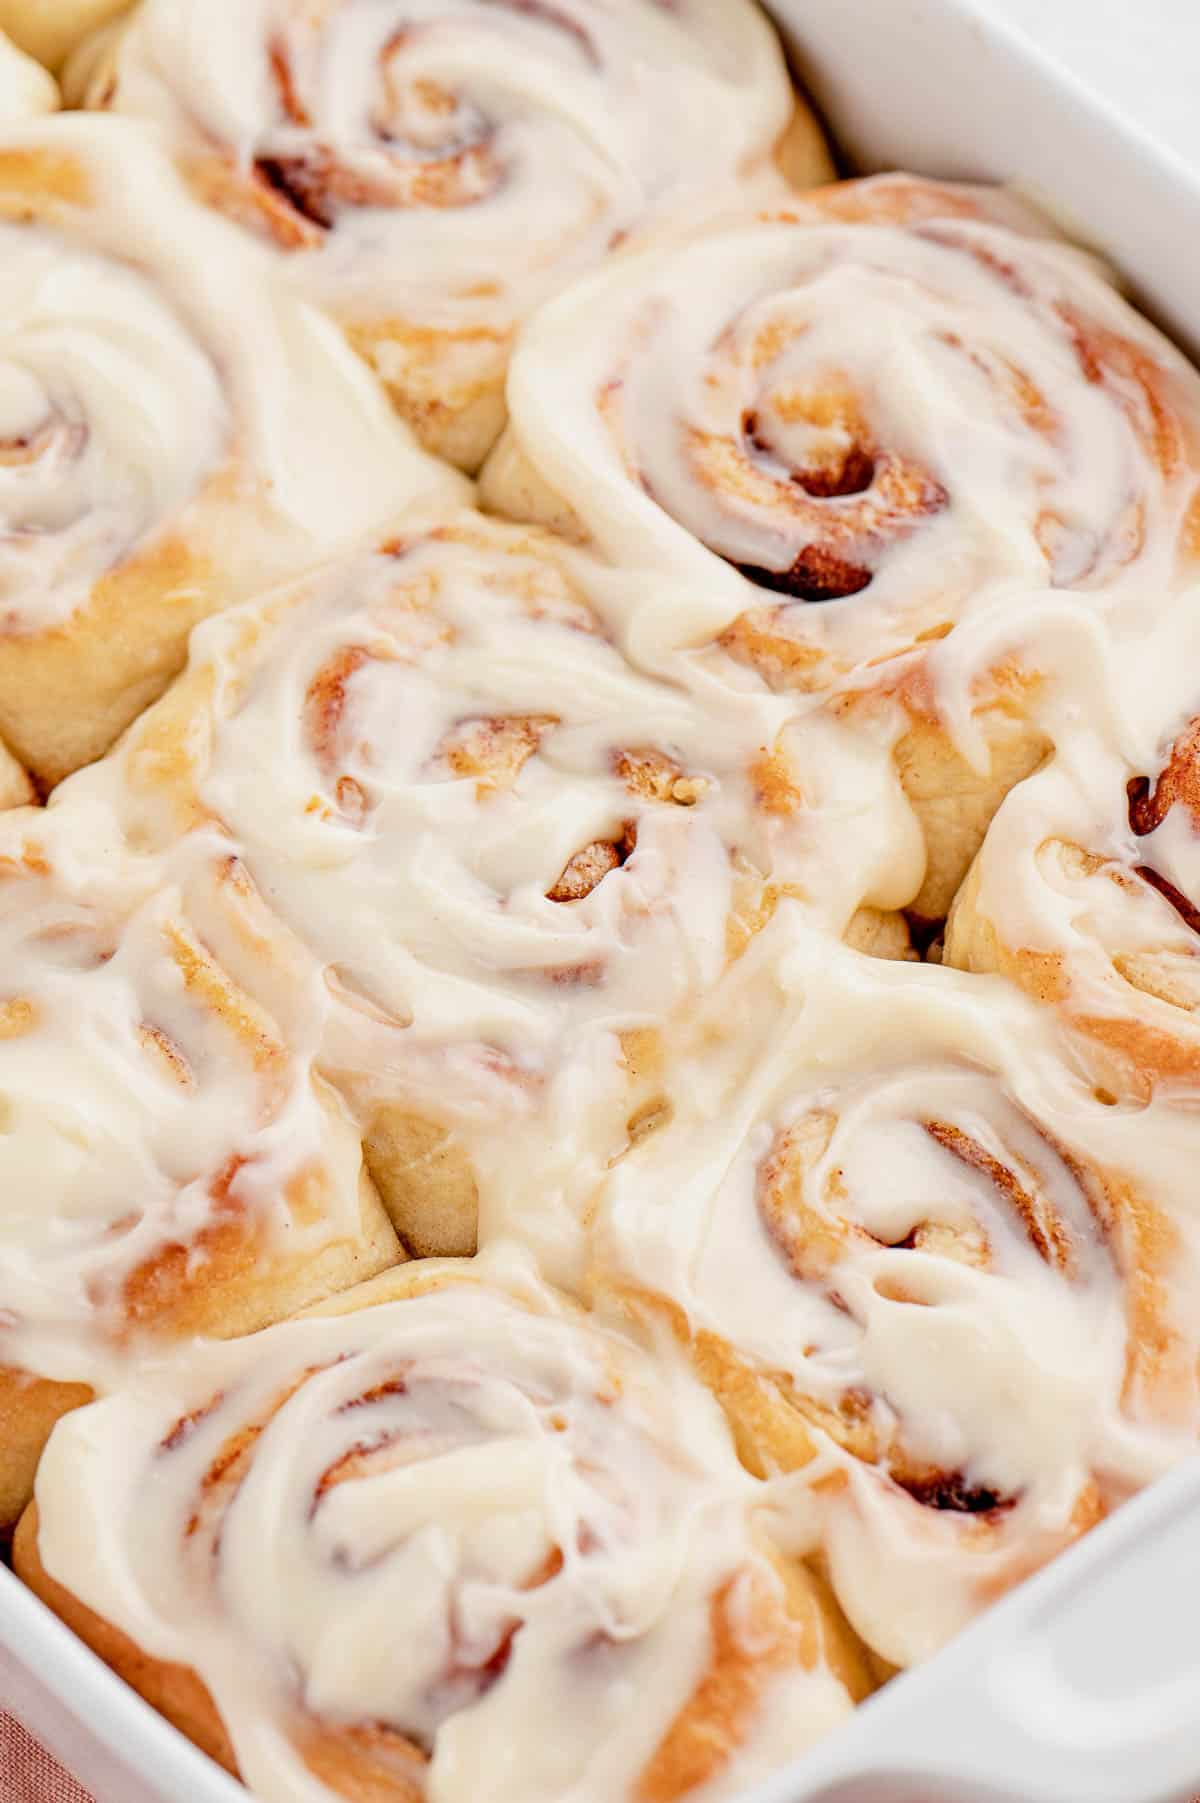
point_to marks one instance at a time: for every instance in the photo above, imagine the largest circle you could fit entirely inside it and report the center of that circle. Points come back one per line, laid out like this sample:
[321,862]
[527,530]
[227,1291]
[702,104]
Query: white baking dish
[1084,1686]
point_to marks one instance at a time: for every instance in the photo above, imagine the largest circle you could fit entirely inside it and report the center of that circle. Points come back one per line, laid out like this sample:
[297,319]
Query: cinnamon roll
[943,1294]
[169,1163]
[174,434]
[449,1539]
[844,434]
[429,174]
[1085,891]
[514,858]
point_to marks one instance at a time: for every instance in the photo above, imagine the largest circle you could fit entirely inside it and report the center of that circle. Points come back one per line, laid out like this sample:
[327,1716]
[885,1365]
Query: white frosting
[138,1108]
[469,158]
[993,1347]
[469,1519]
[147,369]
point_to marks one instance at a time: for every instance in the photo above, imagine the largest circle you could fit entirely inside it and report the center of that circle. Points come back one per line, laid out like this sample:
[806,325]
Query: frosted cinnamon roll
[168,1163]
[450,1540]
[849,430]
[1086,890]
[946,1298]
[174,434]
[514,857]
[430,173]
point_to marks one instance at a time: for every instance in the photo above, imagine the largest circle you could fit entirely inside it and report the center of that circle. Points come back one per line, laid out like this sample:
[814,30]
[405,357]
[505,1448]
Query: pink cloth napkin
[27,1772]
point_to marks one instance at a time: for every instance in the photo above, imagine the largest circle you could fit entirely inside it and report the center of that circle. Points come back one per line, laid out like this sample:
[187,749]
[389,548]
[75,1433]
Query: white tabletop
[1142,55]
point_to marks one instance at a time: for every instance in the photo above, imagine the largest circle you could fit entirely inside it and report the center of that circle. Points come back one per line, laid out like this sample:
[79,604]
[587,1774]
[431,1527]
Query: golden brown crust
[227,1281]
[754,1637]
[802,153]
[67,693]
[880,934]
[16,786]
[29,1408]
[954,802]
[363,1764]
[174,1690]
[426,1180]
[50,179]
[448,386]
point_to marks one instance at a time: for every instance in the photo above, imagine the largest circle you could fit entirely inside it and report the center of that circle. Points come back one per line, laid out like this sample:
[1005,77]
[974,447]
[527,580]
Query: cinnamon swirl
[451,1539]
[173,434]
[514,857]
[848,432]
[934,1283]
[430,174]
[169,1164]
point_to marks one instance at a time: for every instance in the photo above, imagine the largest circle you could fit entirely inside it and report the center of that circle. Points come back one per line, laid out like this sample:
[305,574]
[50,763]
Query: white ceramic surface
[958,88]
[1142,60]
